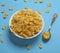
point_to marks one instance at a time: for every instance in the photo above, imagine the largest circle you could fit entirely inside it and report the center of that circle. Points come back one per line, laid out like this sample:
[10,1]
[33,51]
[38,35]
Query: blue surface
[13,44]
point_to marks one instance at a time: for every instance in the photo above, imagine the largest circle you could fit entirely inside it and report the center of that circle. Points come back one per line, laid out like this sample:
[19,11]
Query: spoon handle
[53,19]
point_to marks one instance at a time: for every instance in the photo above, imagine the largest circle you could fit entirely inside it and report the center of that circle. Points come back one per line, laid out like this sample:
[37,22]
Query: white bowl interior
[21,36]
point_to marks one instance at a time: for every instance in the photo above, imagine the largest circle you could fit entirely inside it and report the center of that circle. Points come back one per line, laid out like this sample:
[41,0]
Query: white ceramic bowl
[21,36]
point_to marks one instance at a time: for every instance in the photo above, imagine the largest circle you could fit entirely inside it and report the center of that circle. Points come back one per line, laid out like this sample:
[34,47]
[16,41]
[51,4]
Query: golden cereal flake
[24,35]
[2,40]
[0,33]
[41,1]
[40,45]
[27,7]
[25,0]
[5,15]
[28,47]
[49,4]
[46,35]
[47,11]
[11,8]
[35,1]
[15,0]
[2,4]
[2,11]
[3,27]
[40,12]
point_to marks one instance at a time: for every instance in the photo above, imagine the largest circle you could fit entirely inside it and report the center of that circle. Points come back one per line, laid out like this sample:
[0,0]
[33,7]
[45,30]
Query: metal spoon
[47,34]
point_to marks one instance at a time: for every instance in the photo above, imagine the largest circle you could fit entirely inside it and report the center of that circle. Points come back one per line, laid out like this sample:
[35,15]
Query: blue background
[13,44]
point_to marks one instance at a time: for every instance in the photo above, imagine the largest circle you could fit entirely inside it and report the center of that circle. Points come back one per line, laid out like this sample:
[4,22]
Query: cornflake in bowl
[26,24]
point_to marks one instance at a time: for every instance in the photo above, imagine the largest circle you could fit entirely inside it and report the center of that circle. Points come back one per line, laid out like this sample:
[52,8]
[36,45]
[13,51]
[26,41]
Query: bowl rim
[21,36]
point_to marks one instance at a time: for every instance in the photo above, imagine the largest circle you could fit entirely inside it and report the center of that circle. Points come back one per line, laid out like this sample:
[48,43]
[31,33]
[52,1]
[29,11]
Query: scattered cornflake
[3,27]
[2,4]
[5,15]
[35,1]
[27,7]
[40,45]
[0,33]
[25,0]
[41,1]
[15,0]
[2,11]
[47,11]
[40,12]
[11,8]
[2,40]
[49,4]
[28,47]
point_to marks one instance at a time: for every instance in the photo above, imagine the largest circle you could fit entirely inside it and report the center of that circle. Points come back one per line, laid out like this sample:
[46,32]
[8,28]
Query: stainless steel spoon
[47,34]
